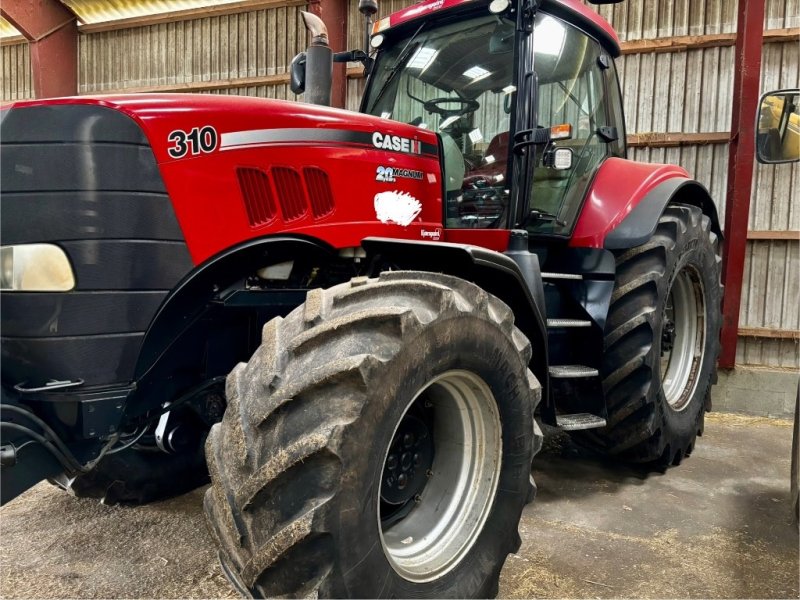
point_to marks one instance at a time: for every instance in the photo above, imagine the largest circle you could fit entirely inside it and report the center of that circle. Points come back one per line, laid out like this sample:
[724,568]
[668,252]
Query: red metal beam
[741,159]
[52,31]
[334,13]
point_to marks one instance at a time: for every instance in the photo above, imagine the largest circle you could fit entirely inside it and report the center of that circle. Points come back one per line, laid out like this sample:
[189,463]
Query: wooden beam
[666,140]
[770,333]
[682,43]
[774,235]
[51,30]
[187,14]
[199,86]
[12,40]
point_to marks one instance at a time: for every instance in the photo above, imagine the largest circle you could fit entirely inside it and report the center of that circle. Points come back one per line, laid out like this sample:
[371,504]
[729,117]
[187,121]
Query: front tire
[377,444]
[661,342]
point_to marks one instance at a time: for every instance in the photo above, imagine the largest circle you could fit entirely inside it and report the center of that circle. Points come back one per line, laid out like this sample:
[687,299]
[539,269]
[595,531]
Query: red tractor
[355,314]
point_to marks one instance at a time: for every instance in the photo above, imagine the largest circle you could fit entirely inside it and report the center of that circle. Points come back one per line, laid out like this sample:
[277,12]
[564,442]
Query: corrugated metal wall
[687,91]
[17,80]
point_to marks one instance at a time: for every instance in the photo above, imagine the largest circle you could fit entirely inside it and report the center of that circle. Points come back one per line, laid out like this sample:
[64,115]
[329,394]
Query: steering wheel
[438,106]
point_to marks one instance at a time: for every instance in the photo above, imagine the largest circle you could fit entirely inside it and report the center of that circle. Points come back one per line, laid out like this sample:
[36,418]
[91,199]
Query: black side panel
[77,313]
[84,177]
[125,215]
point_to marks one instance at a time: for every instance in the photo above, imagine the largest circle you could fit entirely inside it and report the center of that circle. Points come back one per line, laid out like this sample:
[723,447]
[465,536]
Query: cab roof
[572,11]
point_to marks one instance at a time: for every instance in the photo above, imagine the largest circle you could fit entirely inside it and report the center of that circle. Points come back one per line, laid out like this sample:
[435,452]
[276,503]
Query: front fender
[493,271]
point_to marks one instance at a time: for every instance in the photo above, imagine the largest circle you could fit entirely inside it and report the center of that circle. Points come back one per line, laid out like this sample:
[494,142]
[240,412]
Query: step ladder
[579,421]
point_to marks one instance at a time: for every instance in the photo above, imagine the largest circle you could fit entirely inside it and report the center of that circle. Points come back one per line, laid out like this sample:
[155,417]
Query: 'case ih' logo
[396,143]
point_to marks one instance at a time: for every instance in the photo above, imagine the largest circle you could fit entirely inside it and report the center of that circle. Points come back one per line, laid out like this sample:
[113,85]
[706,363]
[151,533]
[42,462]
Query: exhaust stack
[318,62]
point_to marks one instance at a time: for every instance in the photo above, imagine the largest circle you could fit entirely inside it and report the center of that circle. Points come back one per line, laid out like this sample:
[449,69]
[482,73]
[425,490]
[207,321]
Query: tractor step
[580,421]
[559,323]
[572,371]
[573,276]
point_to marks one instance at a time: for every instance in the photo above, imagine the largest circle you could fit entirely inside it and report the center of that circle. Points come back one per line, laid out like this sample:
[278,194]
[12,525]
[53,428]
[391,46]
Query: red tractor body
[152,243]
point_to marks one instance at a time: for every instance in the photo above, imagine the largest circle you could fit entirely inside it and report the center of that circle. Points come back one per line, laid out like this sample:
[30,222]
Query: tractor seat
[498,151]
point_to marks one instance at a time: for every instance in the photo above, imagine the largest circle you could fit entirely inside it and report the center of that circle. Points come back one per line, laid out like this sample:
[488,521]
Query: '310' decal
[200,140]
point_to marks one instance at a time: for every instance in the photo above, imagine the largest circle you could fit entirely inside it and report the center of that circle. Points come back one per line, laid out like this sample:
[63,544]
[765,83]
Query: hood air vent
[291,196]
[319,191]
[257,194]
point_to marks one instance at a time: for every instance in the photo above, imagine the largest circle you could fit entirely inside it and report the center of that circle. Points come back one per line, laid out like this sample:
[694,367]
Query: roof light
[422,59]
[476,73]
[376,40]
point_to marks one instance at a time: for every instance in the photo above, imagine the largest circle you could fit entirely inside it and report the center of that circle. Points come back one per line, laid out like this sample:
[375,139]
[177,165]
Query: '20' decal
[385,174]
[200,140]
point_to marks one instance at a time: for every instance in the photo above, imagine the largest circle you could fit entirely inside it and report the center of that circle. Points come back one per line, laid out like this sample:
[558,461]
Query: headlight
[35,268]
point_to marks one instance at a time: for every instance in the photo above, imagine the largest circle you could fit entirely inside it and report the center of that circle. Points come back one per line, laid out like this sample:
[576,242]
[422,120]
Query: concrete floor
[718,526]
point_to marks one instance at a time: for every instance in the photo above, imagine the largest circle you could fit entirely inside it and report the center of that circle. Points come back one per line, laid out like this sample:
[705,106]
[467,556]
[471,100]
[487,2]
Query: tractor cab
[487,83]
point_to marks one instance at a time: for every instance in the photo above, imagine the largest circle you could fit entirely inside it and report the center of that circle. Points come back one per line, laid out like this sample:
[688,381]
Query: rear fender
[496,273]
[627,198]
[640,224]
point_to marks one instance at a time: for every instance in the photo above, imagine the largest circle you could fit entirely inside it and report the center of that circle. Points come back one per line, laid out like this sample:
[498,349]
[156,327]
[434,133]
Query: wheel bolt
[402,480]
[408,440]
[391,462]
[405,461]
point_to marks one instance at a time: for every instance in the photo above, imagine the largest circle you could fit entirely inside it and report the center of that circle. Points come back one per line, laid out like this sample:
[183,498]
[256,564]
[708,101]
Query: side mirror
[297,71]
[778,127]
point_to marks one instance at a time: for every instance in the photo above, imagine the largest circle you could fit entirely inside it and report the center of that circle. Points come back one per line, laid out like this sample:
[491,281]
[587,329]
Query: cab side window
[571,91]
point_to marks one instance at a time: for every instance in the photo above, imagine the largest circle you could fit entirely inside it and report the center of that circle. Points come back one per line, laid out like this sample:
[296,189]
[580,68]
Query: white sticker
[475,135]
[396,207]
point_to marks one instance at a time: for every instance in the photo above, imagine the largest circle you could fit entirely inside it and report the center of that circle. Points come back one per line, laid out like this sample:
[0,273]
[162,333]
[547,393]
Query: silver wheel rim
[453,506]
[682,339]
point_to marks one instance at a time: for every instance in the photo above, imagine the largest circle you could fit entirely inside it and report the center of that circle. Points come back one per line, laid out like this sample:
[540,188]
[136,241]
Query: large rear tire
[377,444]
[661,342]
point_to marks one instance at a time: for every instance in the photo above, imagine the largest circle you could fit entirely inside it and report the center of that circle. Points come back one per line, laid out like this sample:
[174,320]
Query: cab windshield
[457,80]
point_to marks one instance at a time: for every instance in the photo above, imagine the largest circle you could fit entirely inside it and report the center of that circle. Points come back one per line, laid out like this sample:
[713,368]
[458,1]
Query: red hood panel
[331,174]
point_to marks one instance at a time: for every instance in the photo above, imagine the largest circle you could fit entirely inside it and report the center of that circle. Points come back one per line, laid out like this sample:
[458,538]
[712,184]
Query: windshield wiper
[405,54]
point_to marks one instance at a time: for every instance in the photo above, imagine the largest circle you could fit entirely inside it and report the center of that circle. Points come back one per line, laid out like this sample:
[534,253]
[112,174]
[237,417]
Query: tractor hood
[238,168]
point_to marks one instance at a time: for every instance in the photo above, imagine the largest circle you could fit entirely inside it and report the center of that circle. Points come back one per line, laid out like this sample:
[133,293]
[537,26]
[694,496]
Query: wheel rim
[682,338]
[434,530]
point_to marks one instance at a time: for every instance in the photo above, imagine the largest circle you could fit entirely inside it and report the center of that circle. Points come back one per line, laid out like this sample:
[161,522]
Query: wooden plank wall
[691,91]
[698,83]
[17,80]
